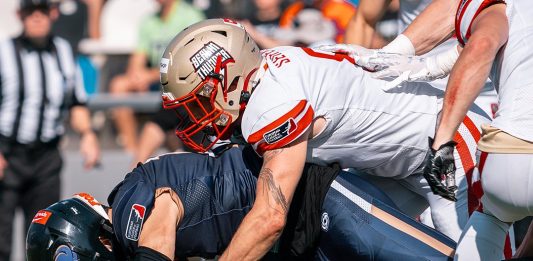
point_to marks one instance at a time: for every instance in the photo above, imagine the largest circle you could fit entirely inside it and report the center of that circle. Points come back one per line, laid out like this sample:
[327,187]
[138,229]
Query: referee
[39,79]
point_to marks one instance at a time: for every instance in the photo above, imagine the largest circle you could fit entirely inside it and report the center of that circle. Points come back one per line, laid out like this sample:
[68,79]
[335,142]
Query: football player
[297,105]
[494,36]
[185,204]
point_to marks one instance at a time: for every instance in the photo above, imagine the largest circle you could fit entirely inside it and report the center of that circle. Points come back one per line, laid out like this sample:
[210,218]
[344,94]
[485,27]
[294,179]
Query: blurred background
[118,43]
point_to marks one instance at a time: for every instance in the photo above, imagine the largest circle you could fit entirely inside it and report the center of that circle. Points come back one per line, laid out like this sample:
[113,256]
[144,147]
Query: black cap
[32,4]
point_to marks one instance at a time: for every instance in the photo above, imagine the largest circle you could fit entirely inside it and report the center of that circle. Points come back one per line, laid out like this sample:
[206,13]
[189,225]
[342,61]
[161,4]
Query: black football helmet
[77,228]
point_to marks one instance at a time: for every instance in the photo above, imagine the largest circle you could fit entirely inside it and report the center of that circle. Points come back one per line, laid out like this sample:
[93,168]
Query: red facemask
[201,124]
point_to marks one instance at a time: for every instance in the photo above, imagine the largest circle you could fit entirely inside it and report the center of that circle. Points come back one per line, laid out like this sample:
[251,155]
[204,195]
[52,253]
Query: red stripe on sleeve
[458,18]
[297,110]
[482,7]
[302,126]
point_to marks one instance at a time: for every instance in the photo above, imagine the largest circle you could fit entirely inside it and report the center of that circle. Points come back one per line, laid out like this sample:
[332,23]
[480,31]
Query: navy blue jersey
[216,194]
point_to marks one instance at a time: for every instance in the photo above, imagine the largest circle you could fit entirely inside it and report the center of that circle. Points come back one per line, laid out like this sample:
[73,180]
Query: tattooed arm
[281,171]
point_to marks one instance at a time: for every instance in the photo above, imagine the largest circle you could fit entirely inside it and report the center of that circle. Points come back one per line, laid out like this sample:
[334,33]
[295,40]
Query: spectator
[78,19]
[142,73]
[263,24]
[155,132]
[338,11]
[223,8]
[38,78]
[310,28]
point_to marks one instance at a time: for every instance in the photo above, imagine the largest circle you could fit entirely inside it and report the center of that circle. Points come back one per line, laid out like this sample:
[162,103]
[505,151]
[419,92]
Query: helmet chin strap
[220,77]
[245,94]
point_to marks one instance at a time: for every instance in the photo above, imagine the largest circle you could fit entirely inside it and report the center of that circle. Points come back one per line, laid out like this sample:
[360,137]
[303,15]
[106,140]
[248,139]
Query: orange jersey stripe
[297,110]
[301,126]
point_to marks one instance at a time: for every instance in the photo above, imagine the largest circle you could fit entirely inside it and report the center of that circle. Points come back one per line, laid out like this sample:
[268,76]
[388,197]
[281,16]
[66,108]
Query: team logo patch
[282,131]
[205,60]
[41,217]
[65,253]
[135,222]
[325,221]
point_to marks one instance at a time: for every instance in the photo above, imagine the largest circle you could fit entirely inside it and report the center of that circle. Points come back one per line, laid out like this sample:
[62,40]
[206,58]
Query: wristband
[446,60]
[401,44]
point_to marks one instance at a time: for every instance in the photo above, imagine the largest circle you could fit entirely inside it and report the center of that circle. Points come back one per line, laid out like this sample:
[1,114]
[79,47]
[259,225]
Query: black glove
[439,170]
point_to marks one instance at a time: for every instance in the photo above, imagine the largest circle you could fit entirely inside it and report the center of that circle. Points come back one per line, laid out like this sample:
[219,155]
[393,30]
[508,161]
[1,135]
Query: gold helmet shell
[214,59]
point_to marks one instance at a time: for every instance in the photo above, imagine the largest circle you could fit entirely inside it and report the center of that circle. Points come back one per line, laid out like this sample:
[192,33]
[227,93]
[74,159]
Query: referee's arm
[80,121]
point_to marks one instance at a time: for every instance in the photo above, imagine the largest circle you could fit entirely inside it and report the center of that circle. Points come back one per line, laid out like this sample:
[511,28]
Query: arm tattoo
[269,184]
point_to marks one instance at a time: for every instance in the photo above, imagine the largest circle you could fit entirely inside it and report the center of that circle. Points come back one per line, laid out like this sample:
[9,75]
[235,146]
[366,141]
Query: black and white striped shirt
[36,86]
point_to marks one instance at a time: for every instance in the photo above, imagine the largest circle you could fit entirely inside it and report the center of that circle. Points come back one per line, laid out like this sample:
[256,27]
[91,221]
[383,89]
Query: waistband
[8,144]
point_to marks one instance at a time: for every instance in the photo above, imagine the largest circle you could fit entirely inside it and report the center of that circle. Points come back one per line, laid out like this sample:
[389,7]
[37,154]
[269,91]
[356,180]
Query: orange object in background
[338,11]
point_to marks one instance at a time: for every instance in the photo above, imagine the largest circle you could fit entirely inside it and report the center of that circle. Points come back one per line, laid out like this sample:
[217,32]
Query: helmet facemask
[201,122]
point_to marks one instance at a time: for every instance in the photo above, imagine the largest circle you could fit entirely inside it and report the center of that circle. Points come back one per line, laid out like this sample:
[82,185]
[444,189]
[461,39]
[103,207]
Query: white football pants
[507,181]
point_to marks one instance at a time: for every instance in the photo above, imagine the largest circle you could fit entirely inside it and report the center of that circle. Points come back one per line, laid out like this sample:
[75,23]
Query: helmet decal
[41,217]
[204,60]
[65,253]
[135,222]
[93,203]
[232,22]
[163,65]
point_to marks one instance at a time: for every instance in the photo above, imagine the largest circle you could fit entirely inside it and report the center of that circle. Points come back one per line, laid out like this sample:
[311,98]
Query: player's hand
[90,149]
[439,170]
[3,165]
[369,59]
[402,68]
[410,68]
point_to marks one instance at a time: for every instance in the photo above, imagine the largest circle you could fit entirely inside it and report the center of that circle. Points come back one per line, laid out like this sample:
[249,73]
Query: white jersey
[381,133]
[513,66]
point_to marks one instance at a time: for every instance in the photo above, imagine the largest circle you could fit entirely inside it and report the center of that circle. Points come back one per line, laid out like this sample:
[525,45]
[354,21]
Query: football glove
[398,68]
[439,170]
[415,68]
[369,59]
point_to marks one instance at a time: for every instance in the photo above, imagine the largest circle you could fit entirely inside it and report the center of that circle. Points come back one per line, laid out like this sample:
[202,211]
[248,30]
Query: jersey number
[339,57]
